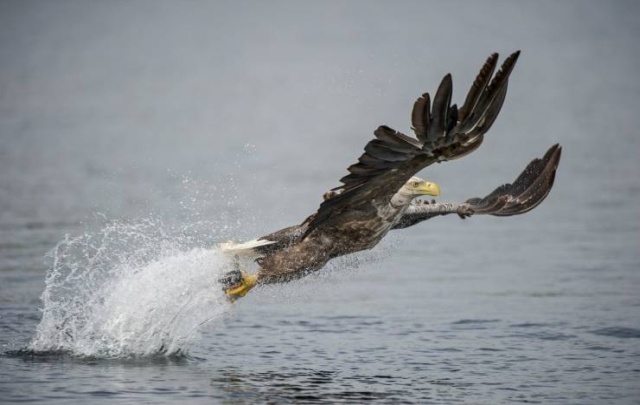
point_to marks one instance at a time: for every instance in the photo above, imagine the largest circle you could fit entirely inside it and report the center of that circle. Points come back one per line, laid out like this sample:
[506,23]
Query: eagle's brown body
[299,255]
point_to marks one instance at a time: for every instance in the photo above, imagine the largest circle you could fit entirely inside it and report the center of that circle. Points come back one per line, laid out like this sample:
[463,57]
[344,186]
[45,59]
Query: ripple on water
[618,331]
[308,386]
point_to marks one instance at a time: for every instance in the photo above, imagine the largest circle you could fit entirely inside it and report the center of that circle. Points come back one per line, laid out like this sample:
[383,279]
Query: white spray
[129,290]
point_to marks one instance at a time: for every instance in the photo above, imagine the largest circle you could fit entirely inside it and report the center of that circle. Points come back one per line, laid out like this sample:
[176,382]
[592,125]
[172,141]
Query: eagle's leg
[236,284]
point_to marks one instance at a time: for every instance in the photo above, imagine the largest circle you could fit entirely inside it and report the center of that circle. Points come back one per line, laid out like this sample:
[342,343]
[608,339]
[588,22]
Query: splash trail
[129,290]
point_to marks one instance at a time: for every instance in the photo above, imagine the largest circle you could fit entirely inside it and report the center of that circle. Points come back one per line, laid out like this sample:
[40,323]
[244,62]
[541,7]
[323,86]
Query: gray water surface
[155,127]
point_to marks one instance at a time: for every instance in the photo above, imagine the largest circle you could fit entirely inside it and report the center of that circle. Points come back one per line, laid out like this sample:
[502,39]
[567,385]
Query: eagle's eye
[415,184]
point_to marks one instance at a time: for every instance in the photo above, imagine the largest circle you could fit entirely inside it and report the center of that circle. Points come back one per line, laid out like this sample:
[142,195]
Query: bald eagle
[379,192]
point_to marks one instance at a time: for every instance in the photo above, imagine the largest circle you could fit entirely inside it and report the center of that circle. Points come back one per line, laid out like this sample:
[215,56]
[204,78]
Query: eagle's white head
[416,187]
[413,188]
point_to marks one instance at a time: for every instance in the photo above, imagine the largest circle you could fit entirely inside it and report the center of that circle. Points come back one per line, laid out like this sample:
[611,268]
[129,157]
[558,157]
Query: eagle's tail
[246,248]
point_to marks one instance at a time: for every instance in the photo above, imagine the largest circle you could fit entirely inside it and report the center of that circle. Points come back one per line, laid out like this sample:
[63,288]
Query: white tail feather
[244,249]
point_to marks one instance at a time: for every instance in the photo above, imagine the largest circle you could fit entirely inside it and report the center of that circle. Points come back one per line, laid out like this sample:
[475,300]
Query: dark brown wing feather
[443,133]
[478,86]
[530,188]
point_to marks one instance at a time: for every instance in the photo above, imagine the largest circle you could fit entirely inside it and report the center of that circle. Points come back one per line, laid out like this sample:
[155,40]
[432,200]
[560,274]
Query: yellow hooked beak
[428,188]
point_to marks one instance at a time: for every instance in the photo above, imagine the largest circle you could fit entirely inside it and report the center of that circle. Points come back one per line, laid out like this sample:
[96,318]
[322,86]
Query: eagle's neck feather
[400,200]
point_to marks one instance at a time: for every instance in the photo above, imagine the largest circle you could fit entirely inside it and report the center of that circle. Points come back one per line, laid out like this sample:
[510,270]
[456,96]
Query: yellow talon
[247,282]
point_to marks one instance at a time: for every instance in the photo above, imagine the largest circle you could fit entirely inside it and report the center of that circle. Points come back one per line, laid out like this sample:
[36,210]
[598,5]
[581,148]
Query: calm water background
[233,118]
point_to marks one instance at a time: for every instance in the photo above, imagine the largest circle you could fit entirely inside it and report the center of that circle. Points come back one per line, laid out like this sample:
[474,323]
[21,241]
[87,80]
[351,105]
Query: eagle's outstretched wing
[530,188]
[443,132]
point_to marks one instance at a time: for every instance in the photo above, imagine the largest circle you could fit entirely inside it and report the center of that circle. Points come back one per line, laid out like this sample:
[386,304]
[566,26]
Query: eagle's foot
[464,211]
[236,284]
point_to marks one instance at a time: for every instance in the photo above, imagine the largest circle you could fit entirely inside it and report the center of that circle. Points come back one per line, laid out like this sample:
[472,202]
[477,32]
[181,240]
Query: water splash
[129,290]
